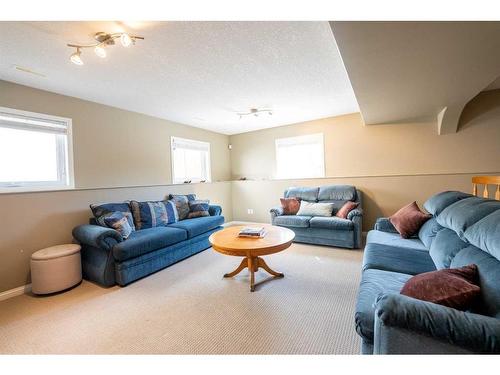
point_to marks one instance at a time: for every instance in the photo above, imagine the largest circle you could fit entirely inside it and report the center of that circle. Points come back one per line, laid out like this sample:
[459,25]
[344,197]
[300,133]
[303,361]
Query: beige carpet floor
[189,308]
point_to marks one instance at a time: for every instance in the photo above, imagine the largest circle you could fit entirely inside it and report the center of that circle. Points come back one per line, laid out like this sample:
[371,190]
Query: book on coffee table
[253,232]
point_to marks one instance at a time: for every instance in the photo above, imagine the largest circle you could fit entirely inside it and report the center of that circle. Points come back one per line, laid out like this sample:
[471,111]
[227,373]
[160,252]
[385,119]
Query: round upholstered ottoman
[55,268]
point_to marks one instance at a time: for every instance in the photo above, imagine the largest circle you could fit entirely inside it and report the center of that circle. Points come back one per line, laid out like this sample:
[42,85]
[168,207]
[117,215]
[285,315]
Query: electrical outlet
[250,211]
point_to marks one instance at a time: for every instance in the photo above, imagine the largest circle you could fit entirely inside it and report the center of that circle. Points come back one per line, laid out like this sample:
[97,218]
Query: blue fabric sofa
[330,231]
[107,259]
[463,230]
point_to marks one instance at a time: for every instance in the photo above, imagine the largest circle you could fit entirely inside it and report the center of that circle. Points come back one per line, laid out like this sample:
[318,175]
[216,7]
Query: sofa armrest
[383,224]
[97,236]
[214,210]
[355,212]
[446,326]
[276,211]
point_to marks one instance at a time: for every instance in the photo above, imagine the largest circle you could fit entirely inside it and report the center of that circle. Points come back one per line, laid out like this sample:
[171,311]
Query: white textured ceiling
[195,73]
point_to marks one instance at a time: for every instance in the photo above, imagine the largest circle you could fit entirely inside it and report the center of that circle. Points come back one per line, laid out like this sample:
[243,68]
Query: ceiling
[417,71]
[195,73]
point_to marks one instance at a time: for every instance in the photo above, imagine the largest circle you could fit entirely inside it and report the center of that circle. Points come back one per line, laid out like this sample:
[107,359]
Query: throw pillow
[118,221]
[346,208]
[453,287]
[153,214]
[101,211]
[290,205]
[182,203]
[198,208]
[315,209]
[408,220]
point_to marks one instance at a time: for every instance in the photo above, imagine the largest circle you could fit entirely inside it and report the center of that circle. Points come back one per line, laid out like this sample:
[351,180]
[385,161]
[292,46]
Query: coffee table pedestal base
[253,264]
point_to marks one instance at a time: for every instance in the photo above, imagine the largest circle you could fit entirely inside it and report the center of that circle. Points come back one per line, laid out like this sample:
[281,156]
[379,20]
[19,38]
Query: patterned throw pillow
[153,214]
[101,211]
[198,208]
[118,221]
[182,204]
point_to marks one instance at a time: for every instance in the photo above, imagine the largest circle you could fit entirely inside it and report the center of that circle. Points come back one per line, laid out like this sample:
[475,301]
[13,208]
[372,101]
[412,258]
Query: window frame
[318,137]
[208,167]
[64,156]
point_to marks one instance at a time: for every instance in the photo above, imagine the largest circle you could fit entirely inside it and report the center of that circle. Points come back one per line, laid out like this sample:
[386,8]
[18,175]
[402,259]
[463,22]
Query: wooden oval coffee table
[226,241]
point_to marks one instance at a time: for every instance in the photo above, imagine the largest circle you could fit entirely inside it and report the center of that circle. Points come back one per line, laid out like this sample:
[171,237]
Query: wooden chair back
[486,180]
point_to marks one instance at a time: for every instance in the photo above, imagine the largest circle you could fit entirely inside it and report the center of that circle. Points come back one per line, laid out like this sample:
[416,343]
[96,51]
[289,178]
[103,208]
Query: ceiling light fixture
[255,112]
[102,40]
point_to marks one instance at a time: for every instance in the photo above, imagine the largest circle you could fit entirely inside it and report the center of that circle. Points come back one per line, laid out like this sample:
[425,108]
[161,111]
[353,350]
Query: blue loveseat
[107,259]
[331,231]
[463,230]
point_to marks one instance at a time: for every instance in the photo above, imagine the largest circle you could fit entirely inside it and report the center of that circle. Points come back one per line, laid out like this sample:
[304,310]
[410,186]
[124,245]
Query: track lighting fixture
[255,112]
[103,40]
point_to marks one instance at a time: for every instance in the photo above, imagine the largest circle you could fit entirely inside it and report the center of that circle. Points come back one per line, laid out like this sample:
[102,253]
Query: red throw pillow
[290,205]
[408,220]
[346,208]
[454,287]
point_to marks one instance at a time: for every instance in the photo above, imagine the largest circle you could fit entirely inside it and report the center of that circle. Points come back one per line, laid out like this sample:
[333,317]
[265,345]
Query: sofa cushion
[153,214]
[304,193]
[489,278]
[394,239]
[462,214]
[445,246]
[290,206]
[199,225]
[331,223]
[374,283]
[397,259]
[438,202]
[292,221]
[337,193]
[198,208]
[454,287]
[485,234]
[346,208]
[119,222]
[428,231]
[315,209]
[146,240]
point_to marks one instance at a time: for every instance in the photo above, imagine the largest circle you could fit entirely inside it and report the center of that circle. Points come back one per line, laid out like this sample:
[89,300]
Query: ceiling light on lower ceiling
[255,112]
[102,40]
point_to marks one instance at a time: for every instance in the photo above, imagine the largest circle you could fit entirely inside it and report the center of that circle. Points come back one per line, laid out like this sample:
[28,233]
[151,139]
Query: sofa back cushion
[462,214]
[445,246]
[489,278]
[485,234]
[337,193]
[309,194]
[428,232]
[438,202]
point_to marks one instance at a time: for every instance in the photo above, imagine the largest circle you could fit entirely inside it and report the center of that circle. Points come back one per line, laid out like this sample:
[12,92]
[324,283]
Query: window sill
[33,189]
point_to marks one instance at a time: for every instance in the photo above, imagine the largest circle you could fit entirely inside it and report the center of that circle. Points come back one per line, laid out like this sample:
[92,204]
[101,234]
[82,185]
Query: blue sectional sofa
[463,230]
[107,259]
[331,231]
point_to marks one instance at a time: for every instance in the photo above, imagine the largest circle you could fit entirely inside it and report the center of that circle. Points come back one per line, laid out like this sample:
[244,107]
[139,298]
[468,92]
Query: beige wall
[392,164]
[113,147]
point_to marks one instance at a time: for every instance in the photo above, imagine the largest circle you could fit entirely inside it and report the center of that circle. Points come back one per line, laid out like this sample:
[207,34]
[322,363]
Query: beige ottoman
[55,268]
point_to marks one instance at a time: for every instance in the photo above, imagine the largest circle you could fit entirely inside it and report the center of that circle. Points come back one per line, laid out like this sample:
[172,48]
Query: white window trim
[304,139]
[46,185]
[187,140]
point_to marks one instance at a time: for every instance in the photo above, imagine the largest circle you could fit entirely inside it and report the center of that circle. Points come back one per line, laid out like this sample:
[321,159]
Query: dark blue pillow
[118,221]
[101,211]
[153,214]
[198,208]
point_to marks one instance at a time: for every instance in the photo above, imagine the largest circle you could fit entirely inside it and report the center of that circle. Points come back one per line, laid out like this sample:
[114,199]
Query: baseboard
[20,290]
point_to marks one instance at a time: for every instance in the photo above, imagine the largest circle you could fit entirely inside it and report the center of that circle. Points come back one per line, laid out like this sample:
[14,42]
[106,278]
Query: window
[35,151]
[190,160]
[300,157]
